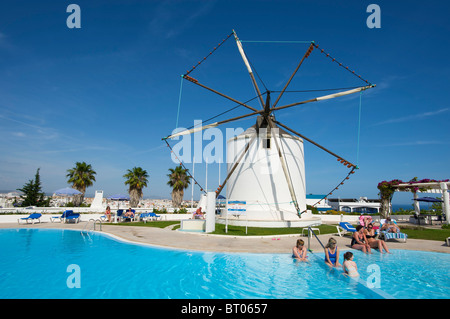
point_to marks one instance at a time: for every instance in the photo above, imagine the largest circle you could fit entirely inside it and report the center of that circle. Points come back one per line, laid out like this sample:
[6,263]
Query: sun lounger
[118,216]
[33,217]
[61,218]
[153,215]
[143,217]
[73,216]
[345,227]
[67,215]
[385,235]
[363,217]
[149,216]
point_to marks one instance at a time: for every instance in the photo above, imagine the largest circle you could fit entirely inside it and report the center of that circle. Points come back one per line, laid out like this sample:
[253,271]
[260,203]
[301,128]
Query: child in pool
[349,266]
[299,251]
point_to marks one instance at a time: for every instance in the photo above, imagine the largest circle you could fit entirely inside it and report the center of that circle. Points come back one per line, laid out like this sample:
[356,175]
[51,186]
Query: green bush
[160,211]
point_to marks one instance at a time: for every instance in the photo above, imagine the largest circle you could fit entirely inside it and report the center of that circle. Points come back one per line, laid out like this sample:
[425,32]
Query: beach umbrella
[220,197]
[429,200]
[67,191]
[119,198]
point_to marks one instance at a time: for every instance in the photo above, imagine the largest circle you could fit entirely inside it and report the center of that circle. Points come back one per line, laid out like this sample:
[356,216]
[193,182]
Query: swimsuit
[331,257]
[351,270]
[355,242]
[300,253]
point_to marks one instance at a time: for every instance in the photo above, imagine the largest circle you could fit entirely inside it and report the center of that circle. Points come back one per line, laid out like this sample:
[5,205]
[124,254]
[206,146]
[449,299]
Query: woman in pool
[359,240]
[332,253]
[349,266]
[374,243]
[299,251]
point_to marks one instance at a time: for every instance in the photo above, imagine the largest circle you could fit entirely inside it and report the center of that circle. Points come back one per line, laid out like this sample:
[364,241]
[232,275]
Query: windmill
[272,131]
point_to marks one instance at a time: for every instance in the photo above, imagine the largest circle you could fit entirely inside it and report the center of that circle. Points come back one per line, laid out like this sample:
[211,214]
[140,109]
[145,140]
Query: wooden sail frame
[266,114]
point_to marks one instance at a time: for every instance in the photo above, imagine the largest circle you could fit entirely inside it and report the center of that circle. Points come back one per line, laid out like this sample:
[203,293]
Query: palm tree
[179,181]
[81,177]
[137,179]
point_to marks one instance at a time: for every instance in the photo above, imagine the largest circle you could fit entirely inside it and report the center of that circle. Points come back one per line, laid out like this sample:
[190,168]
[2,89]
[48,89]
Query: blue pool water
[34,264]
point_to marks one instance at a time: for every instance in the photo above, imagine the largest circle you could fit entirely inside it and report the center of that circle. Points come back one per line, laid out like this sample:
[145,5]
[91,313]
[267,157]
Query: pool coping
[167,238]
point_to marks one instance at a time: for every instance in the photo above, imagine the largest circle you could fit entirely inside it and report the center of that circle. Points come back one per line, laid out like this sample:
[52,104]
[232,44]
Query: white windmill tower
[259,179]
[266,169]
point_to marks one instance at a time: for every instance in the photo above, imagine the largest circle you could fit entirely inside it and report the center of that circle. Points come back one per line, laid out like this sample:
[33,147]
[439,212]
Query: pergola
[432,187]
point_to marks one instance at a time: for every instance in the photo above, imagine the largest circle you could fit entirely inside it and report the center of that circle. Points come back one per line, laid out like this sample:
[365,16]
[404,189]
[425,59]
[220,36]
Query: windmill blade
[195,81]
[285,170]
[325,97]
[249,69]
[308,52]
[193,130]
[204,127]
[340,158]
[246,148]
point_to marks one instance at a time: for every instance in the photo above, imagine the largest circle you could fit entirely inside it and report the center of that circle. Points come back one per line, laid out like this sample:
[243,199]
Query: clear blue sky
[107,93]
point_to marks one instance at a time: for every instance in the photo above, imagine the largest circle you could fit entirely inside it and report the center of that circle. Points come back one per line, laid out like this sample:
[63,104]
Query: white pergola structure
[432,187]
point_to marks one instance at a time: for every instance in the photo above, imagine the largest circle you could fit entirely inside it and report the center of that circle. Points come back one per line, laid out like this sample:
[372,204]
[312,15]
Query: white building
[318,201]
[363,205]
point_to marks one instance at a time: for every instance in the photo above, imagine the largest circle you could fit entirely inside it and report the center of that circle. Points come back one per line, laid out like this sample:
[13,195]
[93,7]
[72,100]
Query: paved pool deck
[167,238]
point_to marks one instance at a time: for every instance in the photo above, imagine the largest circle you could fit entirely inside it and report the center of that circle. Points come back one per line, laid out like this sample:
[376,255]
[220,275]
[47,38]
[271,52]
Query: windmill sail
[269,193]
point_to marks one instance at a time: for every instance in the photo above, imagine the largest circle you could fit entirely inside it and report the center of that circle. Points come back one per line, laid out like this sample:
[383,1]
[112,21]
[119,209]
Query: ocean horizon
[397,207]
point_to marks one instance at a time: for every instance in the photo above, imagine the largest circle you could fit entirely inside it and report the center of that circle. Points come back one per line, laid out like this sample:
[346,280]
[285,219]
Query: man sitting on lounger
[390,226]
[129,213]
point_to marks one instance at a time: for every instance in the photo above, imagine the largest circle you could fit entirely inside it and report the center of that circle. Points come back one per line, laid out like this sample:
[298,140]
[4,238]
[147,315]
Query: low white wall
[326,219]
[4,218]
[53,210]
[336,219]
[45,218]
[175,216]
[47,210]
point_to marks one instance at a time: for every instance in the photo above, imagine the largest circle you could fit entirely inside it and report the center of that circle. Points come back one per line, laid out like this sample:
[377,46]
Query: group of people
[331,256]
[129,213]
[363,239]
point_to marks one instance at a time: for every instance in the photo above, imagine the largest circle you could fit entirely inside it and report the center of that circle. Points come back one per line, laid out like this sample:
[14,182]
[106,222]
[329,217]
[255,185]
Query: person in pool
[349,266]
[299,251]
[332,253]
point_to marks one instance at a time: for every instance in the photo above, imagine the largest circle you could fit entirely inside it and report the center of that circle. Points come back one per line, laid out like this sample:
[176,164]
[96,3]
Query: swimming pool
[38,263]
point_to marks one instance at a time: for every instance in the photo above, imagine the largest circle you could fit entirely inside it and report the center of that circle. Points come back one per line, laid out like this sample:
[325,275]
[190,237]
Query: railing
[86,229]
[310,231]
